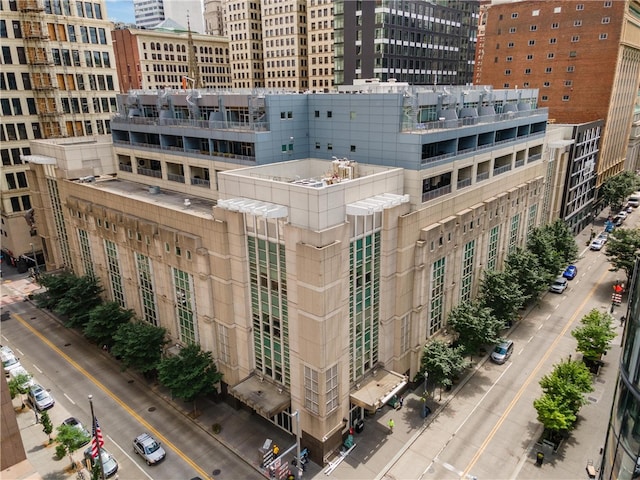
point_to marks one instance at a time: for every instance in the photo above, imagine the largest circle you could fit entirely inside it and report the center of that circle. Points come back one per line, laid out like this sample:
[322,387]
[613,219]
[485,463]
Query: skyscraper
[149,13]
[58,79]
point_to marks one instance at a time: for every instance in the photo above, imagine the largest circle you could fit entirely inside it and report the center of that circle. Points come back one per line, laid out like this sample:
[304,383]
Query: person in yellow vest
[391,424]
[276,450]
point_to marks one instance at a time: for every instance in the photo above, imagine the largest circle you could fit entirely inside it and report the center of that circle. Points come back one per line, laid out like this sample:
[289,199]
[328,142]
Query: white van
[634,200]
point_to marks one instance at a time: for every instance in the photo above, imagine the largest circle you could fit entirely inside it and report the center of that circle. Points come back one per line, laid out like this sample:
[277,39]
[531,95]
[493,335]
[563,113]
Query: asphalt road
[71,369]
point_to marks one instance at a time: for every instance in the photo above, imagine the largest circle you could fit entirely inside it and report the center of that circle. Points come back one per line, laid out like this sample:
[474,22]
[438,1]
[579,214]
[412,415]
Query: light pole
[426,377]
[94,432]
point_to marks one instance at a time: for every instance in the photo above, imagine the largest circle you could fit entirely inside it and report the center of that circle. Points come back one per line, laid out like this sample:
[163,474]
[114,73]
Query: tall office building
[321,49]
[243,24]
[58,79]
[313,280]
[584,57]
[149,13]
[415,41]
[213,12]
[621,452]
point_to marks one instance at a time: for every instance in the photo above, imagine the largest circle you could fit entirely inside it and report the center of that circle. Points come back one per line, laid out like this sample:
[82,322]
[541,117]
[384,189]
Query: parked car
[9,362]
[597,244]
[148,448]
[20,370]
[40,398]
[109,464]
[618,220]
[570,272]
[74,422]
[502,351]
[4,350]
[628,209]
[604,236]
[559,285]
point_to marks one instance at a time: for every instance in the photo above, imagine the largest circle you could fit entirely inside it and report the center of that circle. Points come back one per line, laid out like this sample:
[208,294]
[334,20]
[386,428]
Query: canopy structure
[264,397]
[374,391]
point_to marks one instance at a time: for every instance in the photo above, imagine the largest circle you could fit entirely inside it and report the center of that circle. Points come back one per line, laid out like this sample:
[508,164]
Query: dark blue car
[571,272]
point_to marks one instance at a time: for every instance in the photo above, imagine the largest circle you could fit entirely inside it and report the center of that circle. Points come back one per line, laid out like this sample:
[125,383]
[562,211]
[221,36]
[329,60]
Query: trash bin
[539,458]
[359,426]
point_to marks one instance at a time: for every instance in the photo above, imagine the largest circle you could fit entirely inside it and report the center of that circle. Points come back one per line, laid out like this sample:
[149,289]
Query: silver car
[148,448]
[559,285]
[109,464]
[40,398]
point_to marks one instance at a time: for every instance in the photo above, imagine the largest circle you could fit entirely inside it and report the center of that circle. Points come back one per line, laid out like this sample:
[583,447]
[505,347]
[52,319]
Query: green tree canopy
[475,326]
[523,266]
[139,346]
[554,246]
[614,190]
[595,335]
[82,297]
[18,385]
[190,374]
[47,426]
[568,382]
[442,363]
[71,438]
[554,414]
[501,294]
[104,321]
[622,249]
[56,287]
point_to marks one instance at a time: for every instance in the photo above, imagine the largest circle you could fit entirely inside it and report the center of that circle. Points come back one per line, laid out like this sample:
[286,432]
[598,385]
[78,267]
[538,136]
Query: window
[575,38]
[547,84]
[510,45]
[577,23]
[548,70]
[185,306]
[565,98]
[580,6]
[507,72]
[436,302]
[316,114]
[514,15]
[224,345]
[311,394]
[606,20]
[573,54]
[353,148]
[6,56]
[533,28]
[568,83]
[317,145]
[512,30]
[530,56]
[553,41]
[329,146]
[527,71]
[332,389]
[146,289]
[492,253]
[608,4]
[509,59]
[532,43]
[555,25]
[570,68]
[466,277]
[603,36]
[551,55]
[544,98]
[329,114]
[113,267]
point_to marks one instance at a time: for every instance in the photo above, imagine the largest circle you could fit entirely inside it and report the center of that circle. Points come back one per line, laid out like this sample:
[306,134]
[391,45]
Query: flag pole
[94,432]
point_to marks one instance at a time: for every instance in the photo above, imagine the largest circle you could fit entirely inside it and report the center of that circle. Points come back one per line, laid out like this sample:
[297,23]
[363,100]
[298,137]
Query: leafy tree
[56,287]
[475,325]
[189,374]
[595,335]
[554,246]
[47,426]
[615,189]
[442,362]
[555,416]
[522,265]
[104,321]
[568,382]
[139,345]
[18,386]
[622,249]
[71,437]
[82,297]
[501,294]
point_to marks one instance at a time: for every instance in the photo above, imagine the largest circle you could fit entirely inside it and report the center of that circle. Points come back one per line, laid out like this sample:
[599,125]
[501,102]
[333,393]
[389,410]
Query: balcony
[499,170]
[438,192]
[175,177]
[149,172]
[200,182]
[463,183]
[203,124]
[125,168]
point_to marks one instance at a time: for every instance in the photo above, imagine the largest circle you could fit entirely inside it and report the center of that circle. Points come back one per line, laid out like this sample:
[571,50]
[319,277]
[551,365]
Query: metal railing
[438,192]
[149,172]
[200,182]
[175,177]
[125,168]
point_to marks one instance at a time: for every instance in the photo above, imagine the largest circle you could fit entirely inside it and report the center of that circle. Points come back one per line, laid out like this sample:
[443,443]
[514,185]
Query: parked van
[502,352]
[634,200]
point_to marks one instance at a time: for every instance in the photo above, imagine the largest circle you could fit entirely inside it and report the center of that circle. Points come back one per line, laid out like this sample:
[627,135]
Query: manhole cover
[152,409]
[216,472]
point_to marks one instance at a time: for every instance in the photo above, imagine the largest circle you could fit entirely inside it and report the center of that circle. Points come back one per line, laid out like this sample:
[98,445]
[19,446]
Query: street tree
[615,189]
[555,416]
[569,382]
[554,246]
[622,249]
[501,294]
[524,268]
[104,321]
[47,425]
[82,297]
[71,438]
[55,287]
[19,385]
[190,374]
[595,335]
[442,363]
[475,326]
[139,345]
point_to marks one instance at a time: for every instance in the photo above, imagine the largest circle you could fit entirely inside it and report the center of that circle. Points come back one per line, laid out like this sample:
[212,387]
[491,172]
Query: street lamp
[94,432]
[426,377]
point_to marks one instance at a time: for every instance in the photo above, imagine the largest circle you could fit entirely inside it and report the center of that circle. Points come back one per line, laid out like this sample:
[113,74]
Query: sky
[120,11]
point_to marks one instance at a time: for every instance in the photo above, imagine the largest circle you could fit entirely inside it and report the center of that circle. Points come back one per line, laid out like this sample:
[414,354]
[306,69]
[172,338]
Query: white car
[9,362]
[40,398]
[559,285]
[148,448]
[20,370]
[597,244]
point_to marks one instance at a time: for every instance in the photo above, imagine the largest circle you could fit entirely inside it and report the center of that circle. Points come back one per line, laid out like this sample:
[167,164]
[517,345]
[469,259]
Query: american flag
[97,438]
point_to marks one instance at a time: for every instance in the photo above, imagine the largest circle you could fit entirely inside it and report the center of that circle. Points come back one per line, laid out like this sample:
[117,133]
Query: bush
[61,451]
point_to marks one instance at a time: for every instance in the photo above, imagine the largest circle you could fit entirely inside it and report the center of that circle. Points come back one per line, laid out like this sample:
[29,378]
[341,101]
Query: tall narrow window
[147,292]
[85,253]
[513,232]
[311,393]
[492,253]
[185,306]
[115,277]
[466,280]
[436,304]
[332,389]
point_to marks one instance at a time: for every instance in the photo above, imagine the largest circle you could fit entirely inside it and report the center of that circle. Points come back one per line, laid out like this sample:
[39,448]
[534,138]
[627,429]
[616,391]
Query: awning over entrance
[378,389]
[264,397]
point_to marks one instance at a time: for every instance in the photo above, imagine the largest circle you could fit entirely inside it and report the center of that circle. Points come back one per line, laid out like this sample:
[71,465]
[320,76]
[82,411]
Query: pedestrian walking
[622,320]
[391,424]
[401,400]
[36,413]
